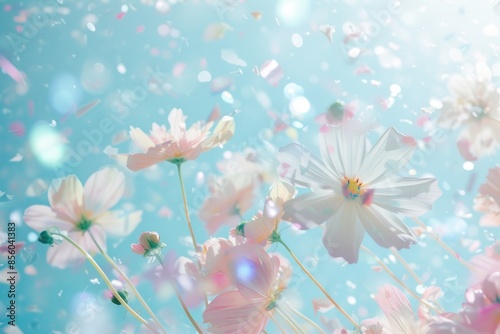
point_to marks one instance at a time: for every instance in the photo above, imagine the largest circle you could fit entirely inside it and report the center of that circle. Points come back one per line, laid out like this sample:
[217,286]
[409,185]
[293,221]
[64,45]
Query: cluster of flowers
[354,190]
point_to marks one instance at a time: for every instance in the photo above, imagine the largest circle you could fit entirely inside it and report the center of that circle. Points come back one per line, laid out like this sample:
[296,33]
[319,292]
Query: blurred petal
[223,132]
[397,309]
[230,312]
[66,197]
[140,161]
[41,217]
[119,223]
[141,139]
[103,190]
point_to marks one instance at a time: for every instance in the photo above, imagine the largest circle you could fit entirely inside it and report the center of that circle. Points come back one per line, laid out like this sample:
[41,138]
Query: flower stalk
[327,295]
[106,280]
[129,283]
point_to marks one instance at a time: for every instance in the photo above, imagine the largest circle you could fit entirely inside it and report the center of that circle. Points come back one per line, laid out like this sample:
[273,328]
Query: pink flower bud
[148,242]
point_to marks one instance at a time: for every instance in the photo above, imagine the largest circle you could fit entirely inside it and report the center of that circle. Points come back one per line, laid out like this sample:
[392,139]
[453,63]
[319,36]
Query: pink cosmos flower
[248,308]
[215,258]
[260,228]
[230,197]
[485,264]
[355,190]
[249,162]
[474,106]
[80,209]
[488,200]
[398,312]
[480,314]
[178,143]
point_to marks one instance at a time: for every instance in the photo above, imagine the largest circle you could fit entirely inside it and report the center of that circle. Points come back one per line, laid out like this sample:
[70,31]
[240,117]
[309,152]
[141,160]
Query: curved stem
[289,321]
[412,272]
[406,265]
[441,243]
[304,269]
[106,280]
[186,210]
[387,270]
[130,284]
[184,307]
[315,325]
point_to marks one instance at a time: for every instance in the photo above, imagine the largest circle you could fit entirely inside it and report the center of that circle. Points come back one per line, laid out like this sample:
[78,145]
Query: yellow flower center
[352,188]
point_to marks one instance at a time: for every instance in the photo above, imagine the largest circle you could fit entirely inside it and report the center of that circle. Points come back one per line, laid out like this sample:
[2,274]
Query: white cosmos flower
[474,105]
[355,190]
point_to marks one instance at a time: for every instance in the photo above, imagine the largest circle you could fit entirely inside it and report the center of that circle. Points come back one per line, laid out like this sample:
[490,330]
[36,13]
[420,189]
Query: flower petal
[397,309]
[229,312]
[343,152]
[302,168]
[103,190]
[141,139]
[222,133]
[391,153]
[492,185]
[258,230]
[119,223]
[177,122]
[312,209]
[385,227]
[344,233]
[41,217]
[254,275]
[66,197]
[153,156]
[66,255]
[410,197]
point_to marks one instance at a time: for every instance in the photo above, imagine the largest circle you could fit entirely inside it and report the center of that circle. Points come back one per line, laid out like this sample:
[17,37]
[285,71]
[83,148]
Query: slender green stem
[186,210]
[387,270]
[188,220]
[179,297]
[130,284]
[315,325]
[289,320]
[304,269]
[106,280]
[441,243]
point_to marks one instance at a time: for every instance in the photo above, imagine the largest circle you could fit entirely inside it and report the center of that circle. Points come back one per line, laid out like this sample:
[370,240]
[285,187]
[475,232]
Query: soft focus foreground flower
[474,105]
[480,314]
[398,312]
[355,190]
[488,200]
[149,245]
[178,143]
[80,209]
[248,308]
[485,264]
[230,197]
[249,162]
